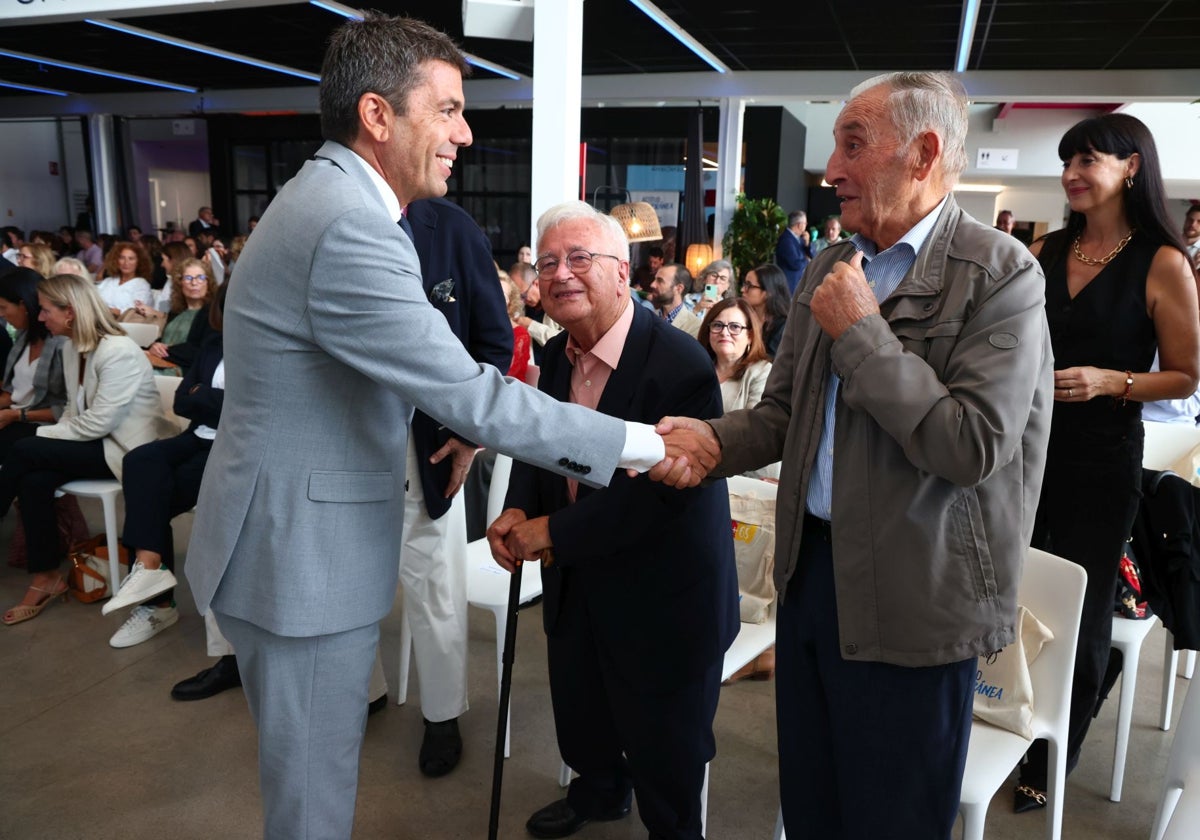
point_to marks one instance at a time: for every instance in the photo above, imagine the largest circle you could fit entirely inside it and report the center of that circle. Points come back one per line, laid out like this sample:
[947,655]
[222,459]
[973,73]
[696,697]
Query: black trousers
[12,433]
[619,737]
[1090,496]
[866,749]
[34,469]
[161,480]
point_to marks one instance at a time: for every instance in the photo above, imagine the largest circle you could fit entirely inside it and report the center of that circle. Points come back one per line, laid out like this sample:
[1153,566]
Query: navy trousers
[866,749]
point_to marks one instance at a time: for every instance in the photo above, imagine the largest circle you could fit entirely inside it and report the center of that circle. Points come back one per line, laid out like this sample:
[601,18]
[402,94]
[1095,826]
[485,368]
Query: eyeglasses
[746,286]
[735,329]
[577,261]
[194,278]
[717,277]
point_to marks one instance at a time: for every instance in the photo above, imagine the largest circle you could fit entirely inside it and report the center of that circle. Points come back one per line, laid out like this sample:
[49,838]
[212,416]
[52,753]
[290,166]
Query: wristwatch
[24,416]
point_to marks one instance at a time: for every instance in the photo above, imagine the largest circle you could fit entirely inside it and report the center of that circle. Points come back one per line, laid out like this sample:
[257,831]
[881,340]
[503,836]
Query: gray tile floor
[92,746]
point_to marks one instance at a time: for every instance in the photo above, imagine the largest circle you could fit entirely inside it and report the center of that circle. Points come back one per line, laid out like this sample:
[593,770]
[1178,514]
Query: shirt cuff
[644,447]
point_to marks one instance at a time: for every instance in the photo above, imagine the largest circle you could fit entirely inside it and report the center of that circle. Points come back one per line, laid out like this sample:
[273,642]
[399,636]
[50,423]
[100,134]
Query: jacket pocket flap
[349,487]
[923,332]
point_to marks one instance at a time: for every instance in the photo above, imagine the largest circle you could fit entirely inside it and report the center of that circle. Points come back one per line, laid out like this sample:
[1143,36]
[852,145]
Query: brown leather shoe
[762,667]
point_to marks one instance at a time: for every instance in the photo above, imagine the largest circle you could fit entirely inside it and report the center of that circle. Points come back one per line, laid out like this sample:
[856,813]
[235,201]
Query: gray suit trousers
[308,697]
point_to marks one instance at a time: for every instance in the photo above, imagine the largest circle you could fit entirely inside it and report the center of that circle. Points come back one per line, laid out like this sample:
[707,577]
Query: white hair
[928,101]
[568,211]
[70,265]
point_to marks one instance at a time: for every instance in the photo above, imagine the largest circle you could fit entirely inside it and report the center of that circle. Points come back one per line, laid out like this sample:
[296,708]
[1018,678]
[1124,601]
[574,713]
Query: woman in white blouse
[34,391]
[112,407]
[125,271]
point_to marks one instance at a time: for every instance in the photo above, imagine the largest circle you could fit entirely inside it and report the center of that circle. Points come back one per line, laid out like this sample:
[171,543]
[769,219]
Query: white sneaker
[140,585]
[143,624]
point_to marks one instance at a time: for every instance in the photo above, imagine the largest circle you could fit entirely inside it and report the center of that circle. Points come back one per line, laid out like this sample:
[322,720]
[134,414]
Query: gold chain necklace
[1107,258]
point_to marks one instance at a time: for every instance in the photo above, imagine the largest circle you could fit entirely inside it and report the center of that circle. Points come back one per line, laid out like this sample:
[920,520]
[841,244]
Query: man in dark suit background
[640,589]
[461,282]
[793,250]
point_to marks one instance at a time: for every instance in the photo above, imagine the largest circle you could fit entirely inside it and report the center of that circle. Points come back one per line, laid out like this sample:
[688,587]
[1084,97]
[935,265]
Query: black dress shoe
[377,704]
[1026,798]
[441,748]
[559,819]
[210,681]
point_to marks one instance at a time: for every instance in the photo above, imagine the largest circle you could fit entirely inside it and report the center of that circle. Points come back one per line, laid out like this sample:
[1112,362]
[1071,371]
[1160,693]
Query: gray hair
[70,265]
[378,54]
[569,211]
[928,101]
[796,216]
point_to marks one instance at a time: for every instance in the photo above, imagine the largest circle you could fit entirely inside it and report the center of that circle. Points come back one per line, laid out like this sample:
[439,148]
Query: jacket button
[585,469]
[928,306]
[851,649]
[562,462]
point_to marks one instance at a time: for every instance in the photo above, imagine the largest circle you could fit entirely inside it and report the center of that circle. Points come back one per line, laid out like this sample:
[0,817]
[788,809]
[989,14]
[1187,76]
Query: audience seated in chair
[192,291]
[112,407]
[34,392]
[162,480]
[125,271]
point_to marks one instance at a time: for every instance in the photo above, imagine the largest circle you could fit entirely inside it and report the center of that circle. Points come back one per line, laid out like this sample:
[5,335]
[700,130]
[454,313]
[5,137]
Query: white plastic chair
[167,386]
[1166,444]
[1179,808]
[1052,589]
[106,490]
[143,334]
[1127,637]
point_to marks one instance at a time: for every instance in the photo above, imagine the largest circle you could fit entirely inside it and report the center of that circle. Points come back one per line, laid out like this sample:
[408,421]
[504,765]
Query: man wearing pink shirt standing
[640,589]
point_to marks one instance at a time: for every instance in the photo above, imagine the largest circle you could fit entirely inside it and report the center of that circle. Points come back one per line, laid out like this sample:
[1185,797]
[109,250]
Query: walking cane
[510,644]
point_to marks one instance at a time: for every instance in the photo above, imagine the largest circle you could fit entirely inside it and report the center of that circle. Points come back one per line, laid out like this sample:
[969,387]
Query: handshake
[692,451]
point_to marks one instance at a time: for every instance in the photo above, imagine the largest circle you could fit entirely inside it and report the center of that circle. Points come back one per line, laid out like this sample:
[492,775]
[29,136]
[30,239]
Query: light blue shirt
[884,271]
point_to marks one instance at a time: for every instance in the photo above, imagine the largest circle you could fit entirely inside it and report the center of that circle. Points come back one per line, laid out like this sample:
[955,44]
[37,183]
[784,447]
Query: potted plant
[752,233]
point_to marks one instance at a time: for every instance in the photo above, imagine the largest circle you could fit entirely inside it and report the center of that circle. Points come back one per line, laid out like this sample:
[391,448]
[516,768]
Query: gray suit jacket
[330,342]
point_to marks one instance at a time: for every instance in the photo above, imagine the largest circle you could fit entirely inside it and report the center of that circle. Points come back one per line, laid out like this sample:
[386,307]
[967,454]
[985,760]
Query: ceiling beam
[682,89]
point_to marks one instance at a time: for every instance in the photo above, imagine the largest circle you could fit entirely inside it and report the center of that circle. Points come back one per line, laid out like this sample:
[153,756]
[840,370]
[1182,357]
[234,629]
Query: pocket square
[443,292]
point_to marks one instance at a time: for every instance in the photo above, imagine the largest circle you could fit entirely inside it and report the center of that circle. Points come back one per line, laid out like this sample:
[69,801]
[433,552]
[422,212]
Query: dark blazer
[452,247]
[792,256]
[657,564]
[203,407]
[184,354]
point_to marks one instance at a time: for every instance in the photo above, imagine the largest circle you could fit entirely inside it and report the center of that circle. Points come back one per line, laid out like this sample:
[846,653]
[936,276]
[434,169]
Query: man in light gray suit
[330,342]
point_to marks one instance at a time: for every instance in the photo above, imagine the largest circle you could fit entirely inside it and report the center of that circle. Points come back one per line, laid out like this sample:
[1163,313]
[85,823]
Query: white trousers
[433,576]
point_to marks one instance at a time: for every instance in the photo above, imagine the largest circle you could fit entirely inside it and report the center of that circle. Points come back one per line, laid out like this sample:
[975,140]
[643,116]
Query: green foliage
[752,233]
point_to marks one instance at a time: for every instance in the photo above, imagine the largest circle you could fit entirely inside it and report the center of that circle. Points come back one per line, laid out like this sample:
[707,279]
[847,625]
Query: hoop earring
[1128,182]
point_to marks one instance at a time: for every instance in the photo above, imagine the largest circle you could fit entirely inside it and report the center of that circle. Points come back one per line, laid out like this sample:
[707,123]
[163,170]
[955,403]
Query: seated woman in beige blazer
[112,407]
[731,334]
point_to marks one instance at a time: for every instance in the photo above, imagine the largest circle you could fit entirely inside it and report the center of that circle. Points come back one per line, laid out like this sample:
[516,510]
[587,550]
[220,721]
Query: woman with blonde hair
[125,270]
[112,407]
[37,256]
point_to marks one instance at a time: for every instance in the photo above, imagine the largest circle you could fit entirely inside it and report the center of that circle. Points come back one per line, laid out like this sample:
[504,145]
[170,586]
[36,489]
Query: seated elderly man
[639,580]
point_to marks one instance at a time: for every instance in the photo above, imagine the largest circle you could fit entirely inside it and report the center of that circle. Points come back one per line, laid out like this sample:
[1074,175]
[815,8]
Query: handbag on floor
[72,529]
[753,523]
[88,578]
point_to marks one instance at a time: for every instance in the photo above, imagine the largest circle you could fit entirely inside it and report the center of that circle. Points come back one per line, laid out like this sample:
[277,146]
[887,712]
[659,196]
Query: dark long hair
[1122,135]
[20,286]
[756,351]
[774,283]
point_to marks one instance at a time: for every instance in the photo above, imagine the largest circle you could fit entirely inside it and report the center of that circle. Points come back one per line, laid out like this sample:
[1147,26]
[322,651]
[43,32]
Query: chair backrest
[143,334]
[167,385]
[499,487]
[1167,443]
[1052,589]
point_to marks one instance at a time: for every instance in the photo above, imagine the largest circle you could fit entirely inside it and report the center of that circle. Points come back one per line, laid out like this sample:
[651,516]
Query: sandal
[1026,798]
[24,612]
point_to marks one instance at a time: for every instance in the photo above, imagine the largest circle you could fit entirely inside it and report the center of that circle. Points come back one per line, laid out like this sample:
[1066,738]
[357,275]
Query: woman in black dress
[1118,287]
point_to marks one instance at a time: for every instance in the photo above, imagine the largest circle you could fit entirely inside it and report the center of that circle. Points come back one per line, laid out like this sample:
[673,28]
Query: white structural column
[104,183]
[557,72]
[729,167]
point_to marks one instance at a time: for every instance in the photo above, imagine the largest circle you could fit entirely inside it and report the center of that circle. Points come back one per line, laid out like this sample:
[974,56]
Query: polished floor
[92,746]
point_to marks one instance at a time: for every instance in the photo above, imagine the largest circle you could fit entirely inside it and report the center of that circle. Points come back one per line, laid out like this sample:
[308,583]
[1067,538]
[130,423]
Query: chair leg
[704,801]
[1170,663]
[974,815]
[564,775]
[1162,816]
[1129,668]
[1056,787]
[109,503]
[779,833]
[405,656]
[1189,664]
